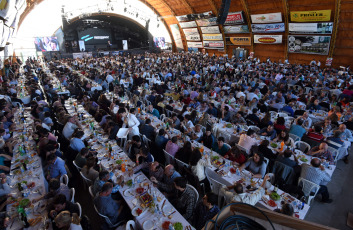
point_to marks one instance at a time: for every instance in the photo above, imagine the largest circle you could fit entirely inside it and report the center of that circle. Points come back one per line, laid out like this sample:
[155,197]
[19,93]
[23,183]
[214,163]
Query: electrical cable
[237,221]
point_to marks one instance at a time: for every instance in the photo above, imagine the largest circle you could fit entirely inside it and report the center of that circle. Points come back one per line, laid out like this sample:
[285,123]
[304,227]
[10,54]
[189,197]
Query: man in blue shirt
[289,109]
[212,110]
[161,140]
[167,183]
[153,111]
[56,166]
[104,177]
[268,132]
[297,129]
[107,206]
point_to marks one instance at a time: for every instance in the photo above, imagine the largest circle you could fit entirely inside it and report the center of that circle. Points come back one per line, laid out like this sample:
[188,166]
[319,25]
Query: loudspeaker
[223,12]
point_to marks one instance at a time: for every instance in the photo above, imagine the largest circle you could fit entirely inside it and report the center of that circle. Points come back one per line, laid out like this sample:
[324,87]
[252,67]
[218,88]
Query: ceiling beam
[190,9]
[247,15]
[335,27]
[213,6]
[286,20]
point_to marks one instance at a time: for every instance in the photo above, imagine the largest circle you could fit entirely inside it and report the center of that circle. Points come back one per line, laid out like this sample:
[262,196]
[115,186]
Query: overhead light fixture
[137,15]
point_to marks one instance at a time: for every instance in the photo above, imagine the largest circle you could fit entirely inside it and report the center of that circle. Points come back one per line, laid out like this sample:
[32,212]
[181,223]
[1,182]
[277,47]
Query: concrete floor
[341,191]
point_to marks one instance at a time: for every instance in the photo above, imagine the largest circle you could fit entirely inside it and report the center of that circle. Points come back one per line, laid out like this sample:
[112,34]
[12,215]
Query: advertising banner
[195,44]
[267,28]
[241,41]
[268,39]
[309,44]
[234,18]
[212,37]
[266,18]
[213,44]
[329,61]
[193,17]
[207,22]
[210,30]
[236,29]
[310,16]
[192,34]
[188,24]
[177,37]
[312,28]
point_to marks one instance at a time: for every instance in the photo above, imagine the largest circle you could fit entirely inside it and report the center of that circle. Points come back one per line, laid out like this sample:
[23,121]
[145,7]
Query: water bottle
[237,172]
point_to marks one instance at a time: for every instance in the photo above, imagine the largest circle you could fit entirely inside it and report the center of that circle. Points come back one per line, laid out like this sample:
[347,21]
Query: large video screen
[46,44]
[159,42]
[93,36]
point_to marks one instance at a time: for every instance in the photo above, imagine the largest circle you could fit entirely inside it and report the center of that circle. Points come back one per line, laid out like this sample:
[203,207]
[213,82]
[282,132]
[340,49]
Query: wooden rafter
[187,4]
[335,27]
[247,15]
[285,12]
[213,6]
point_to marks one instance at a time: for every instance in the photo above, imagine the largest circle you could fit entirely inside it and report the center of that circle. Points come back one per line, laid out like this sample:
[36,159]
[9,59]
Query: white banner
[81,44]
[192,37]
[125,47]
[191,31]
[268,39]
[313,28]
[195,45]
[266,18]
[267,28]
[212,37]
[187,24]
[210,30]
[177,37]
[213,44]
[236,29]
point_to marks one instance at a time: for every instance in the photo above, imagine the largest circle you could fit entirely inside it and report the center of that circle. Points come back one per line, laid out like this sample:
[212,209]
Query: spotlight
[112,8]
[158,25]
[125,9]
[137,15]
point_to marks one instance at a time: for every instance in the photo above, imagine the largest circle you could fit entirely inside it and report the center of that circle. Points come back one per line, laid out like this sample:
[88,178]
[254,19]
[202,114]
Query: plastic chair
[169,159]
[64,179]
[79,209]
[255,128]
[161,117]
[284,115]
[294,137]
[72,194]
[90,191]
[214,183]
[87,182]
[308,189]
[16,104]
[335,153]
[302,146]
[77,167]
[181,164]
[228,145]
[195,191]
[107,220]
[130,225]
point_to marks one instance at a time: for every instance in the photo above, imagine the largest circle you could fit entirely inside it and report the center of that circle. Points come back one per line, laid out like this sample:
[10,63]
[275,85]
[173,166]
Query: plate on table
[148,225]
[128,193]
[138,211]
[167,209]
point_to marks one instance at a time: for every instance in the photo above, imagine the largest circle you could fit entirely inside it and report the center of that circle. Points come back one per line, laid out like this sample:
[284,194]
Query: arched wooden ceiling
[342,13]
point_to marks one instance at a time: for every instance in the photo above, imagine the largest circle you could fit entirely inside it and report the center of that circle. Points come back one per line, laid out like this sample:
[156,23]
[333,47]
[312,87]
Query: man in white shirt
[70,127]
[109,79]
[240,196]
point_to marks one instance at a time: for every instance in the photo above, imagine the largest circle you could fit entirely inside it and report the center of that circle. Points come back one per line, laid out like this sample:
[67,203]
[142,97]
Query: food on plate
[233,170]
[146,198]
[159,199]
[129,183]
[215,158]
[138,211]
[24,203]
[34,222]
[229,125]
[166,224]
[272,203]
[31,185]
[273,145]
[140,190]
[275,196]
[119,162]
[178,226]
[303,159]
[145,184]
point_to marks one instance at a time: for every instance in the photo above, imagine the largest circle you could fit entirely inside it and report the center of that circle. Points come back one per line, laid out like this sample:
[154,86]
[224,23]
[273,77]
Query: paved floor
[333,215]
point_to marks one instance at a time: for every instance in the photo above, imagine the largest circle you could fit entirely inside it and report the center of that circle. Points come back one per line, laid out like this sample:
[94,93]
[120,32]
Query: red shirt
[315,136]
[241,159]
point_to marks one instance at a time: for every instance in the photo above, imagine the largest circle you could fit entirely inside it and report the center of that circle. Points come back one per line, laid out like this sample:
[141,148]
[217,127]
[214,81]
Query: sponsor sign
[329,61]
[266,18]
[212,37]
[241,41]
[213,44]
[234,18]
[267,28]
[195,44]
[236,29]
[312,28]
[268,39]
[188,24]
[210,30]
[310,16]
[309,44]
[192,34]
[207,22]
[193,17]
[176,35]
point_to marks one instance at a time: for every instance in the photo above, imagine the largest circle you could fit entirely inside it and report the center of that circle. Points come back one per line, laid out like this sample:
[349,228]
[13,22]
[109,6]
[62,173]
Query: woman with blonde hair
[65,221]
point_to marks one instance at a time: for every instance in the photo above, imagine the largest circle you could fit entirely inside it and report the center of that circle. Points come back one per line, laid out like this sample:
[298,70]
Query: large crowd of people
[193,93]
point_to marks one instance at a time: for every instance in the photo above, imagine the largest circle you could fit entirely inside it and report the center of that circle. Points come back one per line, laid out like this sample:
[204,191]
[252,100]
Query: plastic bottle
[282,145]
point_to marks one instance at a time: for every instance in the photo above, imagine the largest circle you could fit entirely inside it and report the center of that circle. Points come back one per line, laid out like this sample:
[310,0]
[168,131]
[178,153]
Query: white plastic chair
[16,104]
[169,159]
[107,220]
[195,191]
[281,114]
[64,179]
[87,182]
[335,153]
[294,137]
[79,209]
[214,183]
[242,149]
[130,225]
[228,145]
[181,164]
[302,146]
[72,195]
[308,187]
[255,128]
[90,191]
[161,117]
[77,167]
